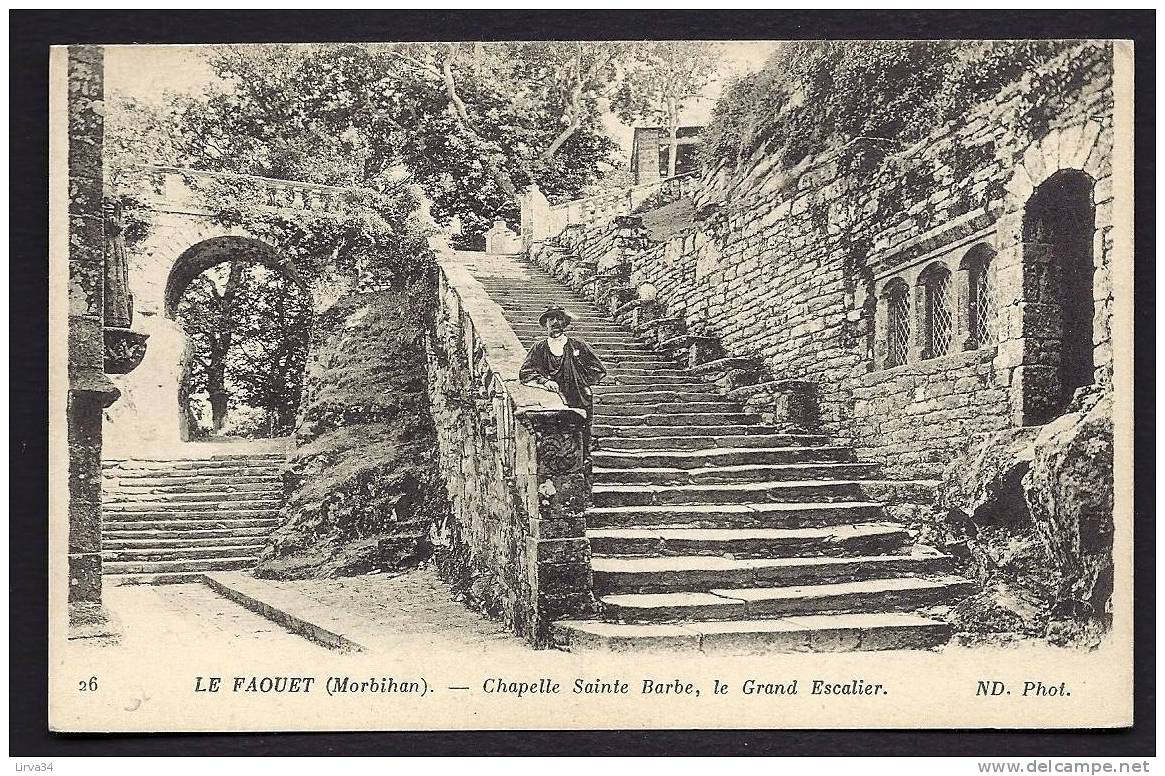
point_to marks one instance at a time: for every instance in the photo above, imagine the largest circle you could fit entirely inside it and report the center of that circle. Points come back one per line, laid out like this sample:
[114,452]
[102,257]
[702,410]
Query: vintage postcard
[591,384]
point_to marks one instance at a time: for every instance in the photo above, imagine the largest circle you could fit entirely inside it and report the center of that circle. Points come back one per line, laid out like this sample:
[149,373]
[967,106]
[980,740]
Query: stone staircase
[170,519]
[712,532]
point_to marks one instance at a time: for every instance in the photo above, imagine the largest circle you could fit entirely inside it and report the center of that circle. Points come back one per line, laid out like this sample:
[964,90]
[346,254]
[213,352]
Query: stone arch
[977,303]
[1028,335]
[1085,147]
[1058,225]
[151,415]
[217,250]
[936,318]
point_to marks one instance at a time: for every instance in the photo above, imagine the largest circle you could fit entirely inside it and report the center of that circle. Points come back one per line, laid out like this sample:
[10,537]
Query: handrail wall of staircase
[541,220]
[512,459]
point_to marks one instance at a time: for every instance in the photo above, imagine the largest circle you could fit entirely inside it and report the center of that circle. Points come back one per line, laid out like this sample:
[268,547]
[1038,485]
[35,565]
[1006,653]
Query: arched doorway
[1058,226]
[245,312]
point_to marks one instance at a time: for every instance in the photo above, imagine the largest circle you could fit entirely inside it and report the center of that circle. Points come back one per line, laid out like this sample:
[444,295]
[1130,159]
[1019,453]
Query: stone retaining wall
[795,266]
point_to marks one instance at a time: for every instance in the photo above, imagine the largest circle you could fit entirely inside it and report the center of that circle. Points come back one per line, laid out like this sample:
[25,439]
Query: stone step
[703,573]
[209,472]
[790,514]
[131,490]
[716,409]
[171,578]
[185,479]
[660,442]
[733,474]
[870,595]
[172,566]
[115,538]
[723,456]
[202,513]
[618,373]
[669,377]
[670,387]
[195,501]
[608,416]
[724,493]
[857,539]
[648,397]
[807,633]
[197,521]
[222,461]
[181,553]
[603,429]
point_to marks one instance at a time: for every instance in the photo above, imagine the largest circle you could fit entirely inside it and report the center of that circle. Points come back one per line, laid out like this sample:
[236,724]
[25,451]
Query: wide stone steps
[605,495]
[654,380]
[712,532]
[176,552]
[171,519]
[703,573]
[686,411]
[870,595]
[857,539]
[129,490]
[649,396]
[671,437]
[161,567]
[191,502]
[201,465]
[193,521]
[807,633]
[720,456]
[791,514]
[732,474]
[121,539]
[623,416]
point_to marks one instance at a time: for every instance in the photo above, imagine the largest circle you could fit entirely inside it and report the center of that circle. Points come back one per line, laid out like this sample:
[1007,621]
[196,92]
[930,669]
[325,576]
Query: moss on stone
[362,486]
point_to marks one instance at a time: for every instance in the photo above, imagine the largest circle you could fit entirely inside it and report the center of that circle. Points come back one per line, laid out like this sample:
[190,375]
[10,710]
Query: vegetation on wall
[813,97]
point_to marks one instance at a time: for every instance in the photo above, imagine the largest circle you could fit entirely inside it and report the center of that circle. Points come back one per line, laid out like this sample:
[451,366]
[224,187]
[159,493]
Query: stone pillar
[500,239]
[535,216]
[90,391]
[558,552]
[647,168]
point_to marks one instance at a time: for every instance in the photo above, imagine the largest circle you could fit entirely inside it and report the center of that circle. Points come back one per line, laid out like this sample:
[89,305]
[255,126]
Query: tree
[266,368]
[249,328]
[209,313]
[473,124]
[661,78]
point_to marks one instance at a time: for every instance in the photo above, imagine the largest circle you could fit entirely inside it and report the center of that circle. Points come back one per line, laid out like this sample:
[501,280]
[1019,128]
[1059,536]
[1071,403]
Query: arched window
[939,320]
[981,296]
[897,323]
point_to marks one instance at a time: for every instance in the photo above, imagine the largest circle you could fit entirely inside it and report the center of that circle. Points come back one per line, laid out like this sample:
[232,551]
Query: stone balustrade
[512,460]
[541,220]
[171,187]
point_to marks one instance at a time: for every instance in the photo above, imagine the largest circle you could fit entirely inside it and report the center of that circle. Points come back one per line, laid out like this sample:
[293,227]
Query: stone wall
[797,267]
[514,539]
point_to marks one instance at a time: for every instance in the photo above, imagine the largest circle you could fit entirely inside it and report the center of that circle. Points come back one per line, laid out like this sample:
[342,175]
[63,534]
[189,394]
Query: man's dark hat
[555,310]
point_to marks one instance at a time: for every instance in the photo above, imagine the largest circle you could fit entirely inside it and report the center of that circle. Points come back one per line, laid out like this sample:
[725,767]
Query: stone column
[90,391]
[535,216]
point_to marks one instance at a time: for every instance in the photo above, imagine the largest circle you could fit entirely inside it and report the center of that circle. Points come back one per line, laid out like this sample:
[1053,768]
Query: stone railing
[177,187]
[541,220]
[512,460]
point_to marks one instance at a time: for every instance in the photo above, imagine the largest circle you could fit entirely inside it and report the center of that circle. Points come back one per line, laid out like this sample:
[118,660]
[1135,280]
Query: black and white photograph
[575,384]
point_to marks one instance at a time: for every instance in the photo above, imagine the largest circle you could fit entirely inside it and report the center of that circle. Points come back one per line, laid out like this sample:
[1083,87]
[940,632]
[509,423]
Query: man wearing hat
[563,364]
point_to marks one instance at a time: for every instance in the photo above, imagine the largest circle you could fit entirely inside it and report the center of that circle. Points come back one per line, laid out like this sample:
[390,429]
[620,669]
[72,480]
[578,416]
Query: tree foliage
[473,124]
[249,327]
[660,79]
